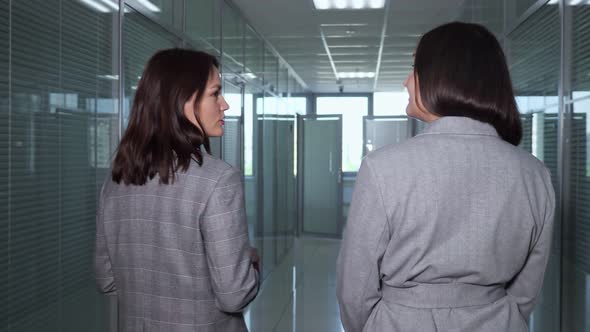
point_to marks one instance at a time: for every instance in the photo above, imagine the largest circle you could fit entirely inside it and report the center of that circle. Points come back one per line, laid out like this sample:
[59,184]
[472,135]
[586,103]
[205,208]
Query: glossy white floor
[300,294]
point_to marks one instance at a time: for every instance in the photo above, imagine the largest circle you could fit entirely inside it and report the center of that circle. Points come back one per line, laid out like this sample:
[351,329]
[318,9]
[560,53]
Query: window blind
[57,53]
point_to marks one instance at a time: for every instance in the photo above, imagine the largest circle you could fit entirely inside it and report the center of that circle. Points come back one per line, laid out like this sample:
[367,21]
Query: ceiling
[354,39]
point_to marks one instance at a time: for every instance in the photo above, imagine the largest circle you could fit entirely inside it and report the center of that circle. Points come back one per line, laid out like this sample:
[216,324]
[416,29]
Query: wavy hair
[159,139]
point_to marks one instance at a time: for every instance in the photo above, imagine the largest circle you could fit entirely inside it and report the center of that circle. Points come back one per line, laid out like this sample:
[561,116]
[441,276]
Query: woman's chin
[216,133]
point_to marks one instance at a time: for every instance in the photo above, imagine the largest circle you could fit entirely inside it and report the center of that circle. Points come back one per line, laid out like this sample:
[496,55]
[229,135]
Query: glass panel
[275,180]
[267,175]
[254,57]
[271,71]
[232,135]
[534,56]
[61,75]
[142,38]
[283,87]
[543,137]
[581,47]
[233,35]
[5,147]
[533,52]
[516,8]
[383,130]
[576,258]
[390,103]
[352,109]
[202,25]
[293,85]
[322,199]
[251,152]
[286,194]
[487,13]
[232,152]
[166,11]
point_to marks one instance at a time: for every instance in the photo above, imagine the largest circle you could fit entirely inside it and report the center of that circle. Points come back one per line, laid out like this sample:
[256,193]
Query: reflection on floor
[300,294]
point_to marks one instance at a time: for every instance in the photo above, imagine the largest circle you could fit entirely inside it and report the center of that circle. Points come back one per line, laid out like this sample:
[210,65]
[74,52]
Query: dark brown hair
[461,70]
[159,138]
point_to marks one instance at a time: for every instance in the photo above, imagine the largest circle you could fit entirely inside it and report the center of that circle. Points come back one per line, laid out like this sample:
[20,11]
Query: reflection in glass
[57,122]
[352,109]
[533,51]
[233,35]
[202,25]
[576,257]
[141,40]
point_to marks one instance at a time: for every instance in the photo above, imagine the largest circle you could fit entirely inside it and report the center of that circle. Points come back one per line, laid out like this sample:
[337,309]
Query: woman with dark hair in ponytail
[451,229]
[171,235]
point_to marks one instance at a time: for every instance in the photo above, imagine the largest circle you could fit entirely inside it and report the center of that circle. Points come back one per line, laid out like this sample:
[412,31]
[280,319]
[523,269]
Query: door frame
[301,176]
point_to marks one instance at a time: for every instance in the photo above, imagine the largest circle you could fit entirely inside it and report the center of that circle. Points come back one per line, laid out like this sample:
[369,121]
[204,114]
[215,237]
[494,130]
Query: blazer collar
[460,126]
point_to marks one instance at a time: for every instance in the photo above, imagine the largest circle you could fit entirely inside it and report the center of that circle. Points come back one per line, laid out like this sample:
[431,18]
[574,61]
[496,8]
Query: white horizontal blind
[579,162]
[4,161]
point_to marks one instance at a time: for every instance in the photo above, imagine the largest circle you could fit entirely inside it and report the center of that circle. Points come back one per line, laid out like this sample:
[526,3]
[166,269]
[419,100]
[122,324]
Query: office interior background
[311,91]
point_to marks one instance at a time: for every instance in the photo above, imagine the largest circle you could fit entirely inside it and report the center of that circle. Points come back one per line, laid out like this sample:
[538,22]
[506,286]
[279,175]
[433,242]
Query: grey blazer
[448,231]
[177,255]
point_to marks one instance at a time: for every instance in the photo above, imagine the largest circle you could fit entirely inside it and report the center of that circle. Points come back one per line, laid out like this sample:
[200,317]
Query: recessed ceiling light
[149,6]
[349,46]
[340,4]
[375,4]
[109,77]
[249,75]
[112,4]
[322,4]
[356,74]
[107,6]
[344,24]
[358,4]
[348,4]
[95,5]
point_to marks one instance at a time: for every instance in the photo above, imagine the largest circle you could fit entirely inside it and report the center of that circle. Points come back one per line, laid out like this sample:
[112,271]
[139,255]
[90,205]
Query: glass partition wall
[547,43]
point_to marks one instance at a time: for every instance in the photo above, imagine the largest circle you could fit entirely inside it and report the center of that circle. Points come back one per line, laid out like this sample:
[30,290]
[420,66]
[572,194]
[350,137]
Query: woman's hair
[159,138]
[461,70]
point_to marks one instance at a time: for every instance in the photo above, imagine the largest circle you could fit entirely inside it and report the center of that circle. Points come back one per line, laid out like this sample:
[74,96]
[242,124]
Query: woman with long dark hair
[449,230]
[171,239]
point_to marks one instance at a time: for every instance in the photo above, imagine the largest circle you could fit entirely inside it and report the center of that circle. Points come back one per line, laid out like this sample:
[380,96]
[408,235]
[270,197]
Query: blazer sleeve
[525,287]
[105,280]
[365,240]
[225,234]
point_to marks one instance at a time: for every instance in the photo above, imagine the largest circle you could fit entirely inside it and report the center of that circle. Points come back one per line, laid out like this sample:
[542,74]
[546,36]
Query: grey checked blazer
[447,231]
[177,255]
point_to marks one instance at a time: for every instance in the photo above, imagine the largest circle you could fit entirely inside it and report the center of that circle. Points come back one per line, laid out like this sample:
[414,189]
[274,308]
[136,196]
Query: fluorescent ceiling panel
[348,4]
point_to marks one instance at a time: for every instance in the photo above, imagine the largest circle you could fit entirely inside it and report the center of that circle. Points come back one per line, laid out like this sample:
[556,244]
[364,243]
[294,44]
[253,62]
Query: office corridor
[313,86]
[300,294]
